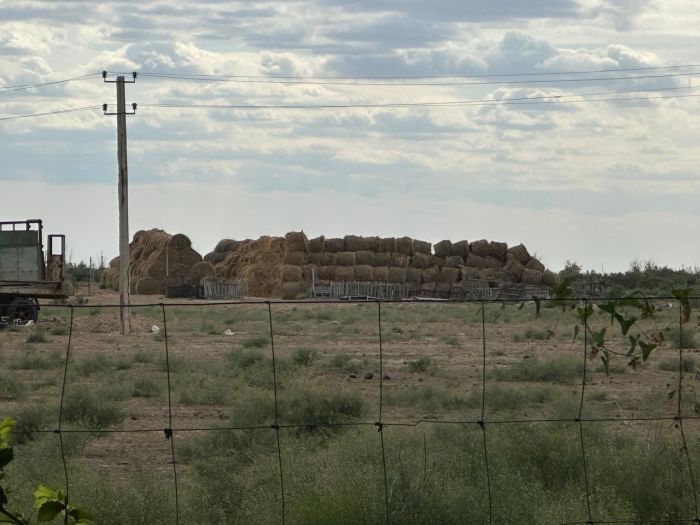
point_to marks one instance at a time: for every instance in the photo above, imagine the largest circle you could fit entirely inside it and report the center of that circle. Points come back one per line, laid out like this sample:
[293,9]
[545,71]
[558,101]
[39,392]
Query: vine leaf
[537,305]
[682,295]
[625,324]
[576,329]
[633,344]
[647,348]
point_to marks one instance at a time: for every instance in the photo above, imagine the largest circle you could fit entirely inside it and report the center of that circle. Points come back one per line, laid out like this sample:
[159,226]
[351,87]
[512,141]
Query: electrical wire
[12,89]
[71,110]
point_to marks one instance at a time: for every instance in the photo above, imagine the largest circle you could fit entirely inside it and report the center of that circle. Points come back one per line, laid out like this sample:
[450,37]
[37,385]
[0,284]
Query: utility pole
[123,192]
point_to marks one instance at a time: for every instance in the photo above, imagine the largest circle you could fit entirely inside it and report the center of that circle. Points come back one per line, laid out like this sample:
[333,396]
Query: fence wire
[380,423]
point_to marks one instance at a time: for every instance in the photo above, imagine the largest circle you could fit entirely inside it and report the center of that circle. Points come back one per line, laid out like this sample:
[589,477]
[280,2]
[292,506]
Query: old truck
[27,274]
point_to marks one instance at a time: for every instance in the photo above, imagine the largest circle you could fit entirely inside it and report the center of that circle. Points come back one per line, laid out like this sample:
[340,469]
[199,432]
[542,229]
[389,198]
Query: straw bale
[430,275]
[533,277]
[214,257]
[396,274]
[326,273]
[381,259]
[200,270]
[499,250]
[316,258]
[475,261]
[480,248]
[364,257]
[389,244]
[363,272]
[291,273]
[400,260]
[114,263]
[420,260]
[225,245]
[520,253]
[550,278]
[437,261]
[505,276]
[491,275]
[149,286]
[335,245]
[460,248]
[317,245]
[372,244]
[381,273]
[297,242]
[294,290]
[344,273]
[310,271]
[443,249]
[404,246]
[296,258]
[353,243]
[178,270]
[448,275]
[188,257]
[329,259]
[414,274]
[345,259]
[468,273]
[454,261]
[514,267]
[179,241]
[534,264]
[422,247]
[492,262]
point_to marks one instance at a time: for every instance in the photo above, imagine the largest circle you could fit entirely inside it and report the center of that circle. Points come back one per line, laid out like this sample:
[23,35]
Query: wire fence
[381,423]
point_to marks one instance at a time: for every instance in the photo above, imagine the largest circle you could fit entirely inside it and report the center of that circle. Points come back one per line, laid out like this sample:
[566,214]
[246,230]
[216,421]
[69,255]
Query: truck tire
[23,310]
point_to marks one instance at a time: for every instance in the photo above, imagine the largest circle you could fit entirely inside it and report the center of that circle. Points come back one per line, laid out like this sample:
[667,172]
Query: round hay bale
[532,277]
[310,272]
[297,242]
[294,290]
[499,250]
[353,243]
[381,259]
[225,245]
[534,264]
[399,260]
[396,274]
[363,272]
[505,276]
[214,257]
[422,247]
[437,261]
[326,273]
[345,259]
[490,275]
[443,249]
[178,270]
[514,267]
[460,248]
[329,259]
[420,260]
[289,273]
[149,286]
[316,258]
[448,275]
[372,244]
[179,241]
[296,258]
[388,244]
[344,273]
[404,246]
[364,257]
[335,245]
[475,261]
[454,261]
[520,253]
[188,257]
[114,263]
[317,245]
[480,248]
[200,270]
[550,278]
[381,273]
[469,273]
[414,275]
[430,275]
[428,288]
[492,262]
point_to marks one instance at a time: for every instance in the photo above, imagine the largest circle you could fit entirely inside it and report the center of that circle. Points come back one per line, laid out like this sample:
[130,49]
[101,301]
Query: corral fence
[381,422]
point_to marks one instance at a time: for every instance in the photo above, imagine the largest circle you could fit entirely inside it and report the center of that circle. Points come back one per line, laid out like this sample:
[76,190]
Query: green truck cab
[27,274]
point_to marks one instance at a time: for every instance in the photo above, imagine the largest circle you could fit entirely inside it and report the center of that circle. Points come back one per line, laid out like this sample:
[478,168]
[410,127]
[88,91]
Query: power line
[71,110]
[11,89]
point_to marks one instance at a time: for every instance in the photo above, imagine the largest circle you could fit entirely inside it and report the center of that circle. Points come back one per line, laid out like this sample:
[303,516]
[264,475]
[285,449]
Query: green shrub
[304,356]
[11,388]
[146,387]
[245,358]
[36,337]
[256,342]
[315,409]
[33,360]
[421,365]
[689,342]
[89,410]
[554,370]
[670,364]
[348,364]
[29,421]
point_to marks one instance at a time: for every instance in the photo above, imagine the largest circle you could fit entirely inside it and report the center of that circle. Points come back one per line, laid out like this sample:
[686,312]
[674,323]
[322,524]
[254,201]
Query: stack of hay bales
[154,257]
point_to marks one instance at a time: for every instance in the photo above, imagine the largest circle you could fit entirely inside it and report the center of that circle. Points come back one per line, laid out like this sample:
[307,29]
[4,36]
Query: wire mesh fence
[482,422]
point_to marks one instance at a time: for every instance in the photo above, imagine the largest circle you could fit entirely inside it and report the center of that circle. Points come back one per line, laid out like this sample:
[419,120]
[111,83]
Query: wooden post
[124,285]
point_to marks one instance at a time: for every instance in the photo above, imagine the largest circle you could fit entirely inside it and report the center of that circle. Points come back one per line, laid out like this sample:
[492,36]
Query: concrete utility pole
[123,190]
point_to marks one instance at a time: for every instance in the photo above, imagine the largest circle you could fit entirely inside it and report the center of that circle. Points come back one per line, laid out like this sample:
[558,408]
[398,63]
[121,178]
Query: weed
[146,387]
[315,408]
[142,357]
[347,364]
[94,364]
[87,409]
[10,388]
[508,398]
[428,399]
[555,370]
[671,364]
[29,421]
[422,365]
[244,358]
[688,336]
[33,360]
[57,330]
[304,356]
[256,342]
[36,337]
[450,340]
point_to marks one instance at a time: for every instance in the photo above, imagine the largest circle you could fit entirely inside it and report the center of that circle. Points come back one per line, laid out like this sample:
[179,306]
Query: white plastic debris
[229,332]
[155,329]
[29,323]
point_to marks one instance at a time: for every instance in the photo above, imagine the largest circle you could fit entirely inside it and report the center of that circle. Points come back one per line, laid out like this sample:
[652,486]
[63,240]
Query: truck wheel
[23,310]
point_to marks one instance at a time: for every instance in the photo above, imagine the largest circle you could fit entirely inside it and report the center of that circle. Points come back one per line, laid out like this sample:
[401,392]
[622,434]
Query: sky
[601,183]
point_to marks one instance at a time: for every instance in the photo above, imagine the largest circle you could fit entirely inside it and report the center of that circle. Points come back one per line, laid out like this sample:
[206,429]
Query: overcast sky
[601,183]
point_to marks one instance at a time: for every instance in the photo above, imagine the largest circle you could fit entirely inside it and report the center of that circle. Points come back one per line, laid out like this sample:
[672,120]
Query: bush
[245,358]
[146,387]
[256,342]
[314,409]
[33,360]
[86,409]
[304,356]
[671,364]
[36,337]
[689,342]
[421,365]
[29,421]
[10,388]
[555,370]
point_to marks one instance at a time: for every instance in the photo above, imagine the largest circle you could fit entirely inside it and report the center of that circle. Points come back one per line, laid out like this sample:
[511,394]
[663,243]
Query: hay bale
[326,273]
[520,253]
[226,245]
[188,257]
[498,250]
[372,244]
[428,288]
[289,273]
[296,258]
[381,273]
[492,262]
[389,244]
[420,260]
[550,278]
[344,273]
[364,257]
[200,270]
[297,242]
[114,263]
[316,258]
[214,257]
[414,274]
[179,241]
[404,246]
[460,248]
[310,272]
[381,259]
[317,245]
[480,248]
[422,247]
[448,275]
[294,290]
[363,272]
[533,277]
[514,267]
[534,264]
[475,261]
[335,245]
[329,259]
[353,243]
[149,286]
[430,275]
[397,274]
[468,273]
[345,259]
[454,261]
[490,275]
[437,261]
[399,260]
[443,249]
